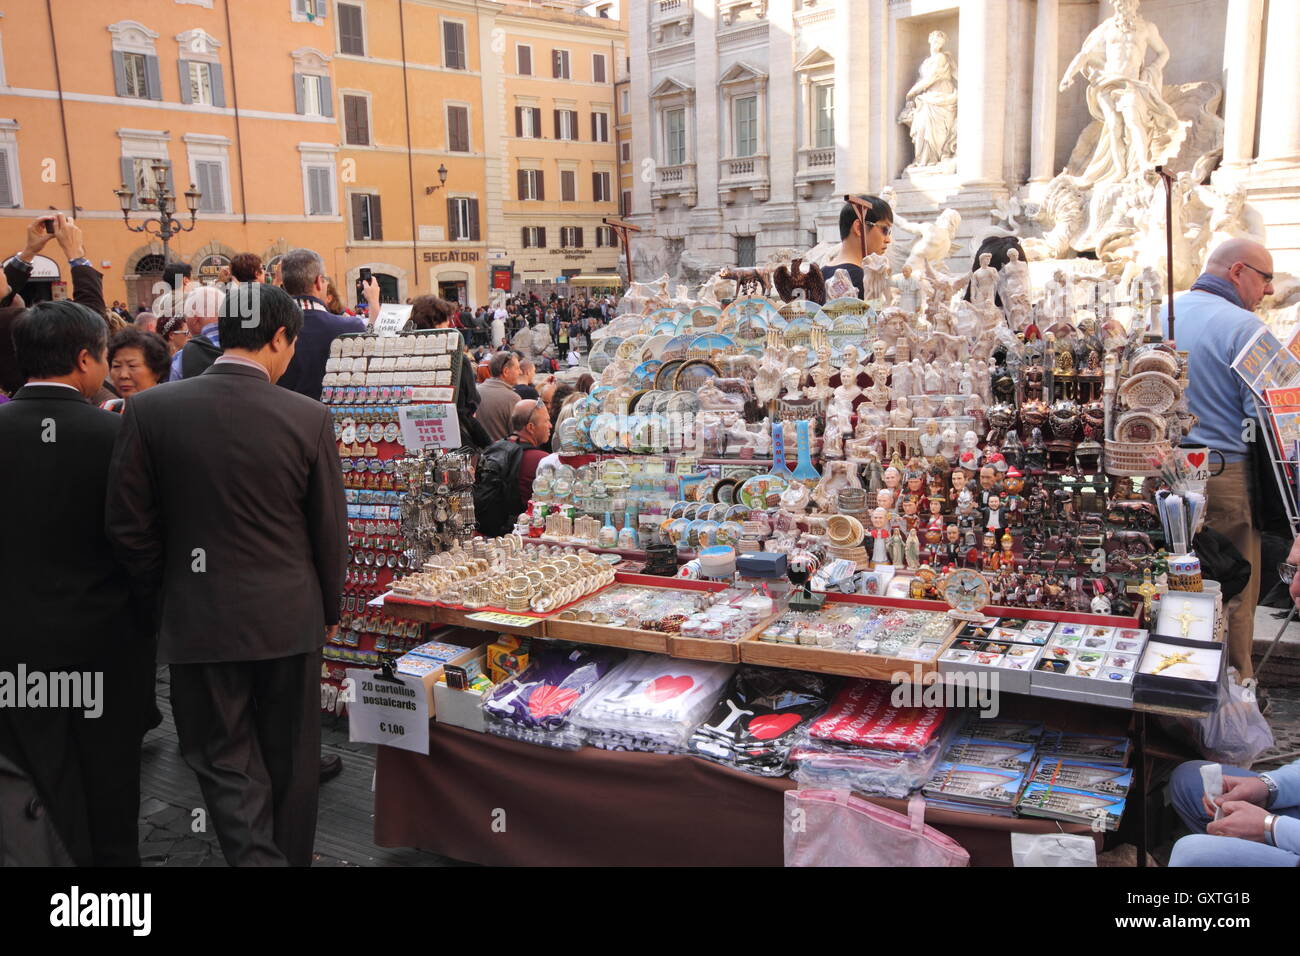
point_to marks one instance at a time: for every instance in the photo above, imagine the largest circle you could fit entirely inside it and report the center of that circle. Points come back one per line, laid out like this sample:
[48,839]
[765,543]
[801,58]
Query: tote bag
[837,828]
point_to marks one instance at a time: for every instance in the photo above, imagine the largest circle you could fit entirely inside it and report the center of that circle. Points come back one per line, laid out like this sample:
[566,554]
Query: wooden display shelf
[428,612]
[845,663]
[586,632]
[704,649]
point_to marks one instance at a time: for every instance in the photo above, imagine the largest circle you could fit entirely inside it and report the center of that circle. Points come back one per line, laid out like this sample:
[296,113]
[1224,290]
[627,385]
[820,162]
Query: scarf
[1220,287]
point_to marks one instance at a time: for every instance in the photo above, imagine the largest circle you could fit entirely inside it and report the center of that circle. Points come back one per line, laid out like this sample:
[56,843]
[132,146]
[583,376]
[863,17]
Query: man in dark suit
[65,600]
[303,276]
[227,494]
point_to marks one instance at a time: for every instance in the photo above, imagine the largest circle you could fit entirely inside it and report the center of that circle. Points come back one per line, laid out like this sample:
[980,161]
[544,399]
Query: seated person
[1260,824]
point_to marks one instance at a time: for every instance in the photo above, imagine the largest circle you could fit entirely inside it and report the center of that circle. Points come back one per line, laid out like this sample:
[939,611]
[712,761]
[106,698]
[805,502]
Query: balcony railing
[669,9]
[743,172]
[672,181]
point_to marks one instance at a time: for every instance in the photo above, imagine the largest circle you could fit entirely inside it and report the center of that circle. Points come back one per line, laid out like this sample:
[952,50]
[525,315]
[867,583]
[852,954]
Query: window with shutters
[600,127]
[598,68]
[312,11]
[625,209]
[528,122]
[568,185]
[367,219]
[209,179]
[9,192]
[200,81]
[462,219]
[566,124]
[625,152]
[453,45]
[534,237]
[560,64]
[320,190]
[458,129]
[311,93]
[137,80]
[600,190]
[624,102]
[524,60]
[605,238]
[139,175]
[530,184]
[352,36]
[570,237]
[356,120]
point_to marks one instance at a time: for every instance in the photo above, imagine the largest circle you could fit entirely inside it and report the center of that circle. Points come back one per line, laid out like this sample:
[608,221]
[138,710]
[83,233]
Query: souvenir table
[464,773]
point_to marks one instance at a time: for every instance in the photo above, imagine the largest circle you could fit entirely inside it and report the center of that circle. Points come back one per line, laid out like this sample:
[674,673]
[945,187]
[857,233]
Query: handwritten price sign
[430,426]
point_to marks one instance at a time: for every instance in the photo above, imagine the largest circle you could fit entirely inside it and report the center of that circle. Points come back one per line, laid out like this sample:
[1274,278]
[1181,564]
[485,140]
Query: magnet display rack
[363,390]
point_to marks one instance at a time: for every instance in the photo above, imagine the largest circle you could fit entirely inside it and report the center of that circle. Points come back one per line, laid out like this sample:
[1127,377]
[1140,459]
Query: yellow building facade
[562,168]
[384,134]
[214,93]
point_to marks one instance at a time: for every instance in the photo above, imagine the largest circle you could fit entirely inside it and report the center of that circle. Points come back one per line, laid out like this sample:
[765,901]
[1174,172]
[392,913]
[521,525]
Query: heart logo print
[772,725]
[550,701]
[1197,459]
[666,688]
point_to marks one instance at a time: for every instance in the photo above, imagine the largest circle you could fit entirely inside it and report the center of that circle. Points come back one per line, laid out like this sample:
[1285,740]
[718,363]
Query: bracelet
[1269,838]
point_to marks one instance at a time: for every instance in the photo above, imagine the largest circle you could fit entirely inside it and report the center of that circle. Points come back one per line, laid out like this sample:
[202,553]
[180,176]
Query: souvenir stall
[835,496]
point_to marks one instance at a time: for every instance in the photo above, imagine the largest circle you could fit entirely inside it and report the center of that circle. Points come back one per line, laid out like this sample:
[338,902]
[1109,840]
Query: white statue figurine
[901,416]
[790,381]
[984,284]
[948,443]
[875,279]
[1013,280]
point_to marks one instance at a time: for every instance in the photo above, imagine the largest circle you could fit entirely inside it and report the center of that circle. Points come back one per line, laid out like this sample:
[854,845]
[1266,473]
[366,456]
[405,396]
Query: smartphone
[49,226]
[362,279]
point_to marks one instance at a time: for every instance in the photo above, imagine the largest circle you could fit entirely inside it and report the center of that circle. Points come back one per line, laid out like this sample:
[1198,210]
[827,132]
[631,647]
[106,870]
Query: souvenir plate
[762,491]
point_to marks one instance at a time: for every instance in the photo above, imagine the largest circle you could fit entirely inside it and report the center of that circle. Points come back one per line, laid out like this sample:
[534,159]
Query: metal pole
[1169,246]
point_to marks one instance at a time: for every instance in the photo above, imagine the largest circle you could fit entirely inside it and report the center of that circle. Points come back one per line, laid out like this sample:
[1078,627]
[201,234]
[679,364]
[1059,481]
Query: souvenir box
[462,707]
[1003,754]
[1011,663]
[1100,811]
[1100,778]
[1187,614]
[1091,664]
[1180,672]
[971,787]
[1092,748]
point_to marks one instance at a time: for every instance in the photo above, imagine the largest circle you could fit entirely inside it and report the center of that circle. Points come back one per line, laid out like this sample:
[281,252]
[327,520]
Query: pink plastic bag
[836,828]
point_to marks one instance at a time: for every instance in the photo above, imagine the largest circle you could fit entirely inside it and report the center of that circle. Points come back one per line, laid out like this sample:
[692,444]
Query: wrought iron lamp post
[164,224]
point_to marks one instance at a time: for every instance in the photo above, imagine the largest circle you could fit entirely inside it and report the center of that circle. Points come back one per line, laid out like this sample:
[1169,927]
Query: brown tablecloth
[485,799]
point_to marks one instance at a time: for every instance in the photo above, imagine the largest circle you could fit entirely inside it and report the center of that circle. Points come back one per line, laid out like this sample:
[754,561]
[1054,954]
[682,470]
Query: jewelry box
[1180,672]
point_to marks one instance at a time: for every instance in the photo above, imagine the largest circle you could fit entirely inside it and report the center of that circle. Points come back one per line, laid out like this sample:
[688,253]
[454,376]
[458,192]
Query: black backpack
[496,488]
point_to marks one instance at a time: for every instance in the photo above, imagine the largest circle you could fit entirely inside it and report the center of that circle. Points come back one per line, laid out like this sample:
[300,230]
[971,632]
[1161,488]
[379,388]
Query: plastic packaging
[536,706]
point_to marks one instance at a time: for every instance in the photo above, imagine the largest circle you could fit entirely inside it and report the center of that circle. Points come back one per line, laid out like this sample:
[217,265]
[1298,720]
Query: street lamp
[164,225]
[442,180]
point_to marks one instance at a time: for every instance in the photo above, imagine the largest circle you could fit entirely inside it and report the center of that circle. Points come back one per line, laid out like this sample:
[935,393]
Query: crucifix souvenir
[1169,660]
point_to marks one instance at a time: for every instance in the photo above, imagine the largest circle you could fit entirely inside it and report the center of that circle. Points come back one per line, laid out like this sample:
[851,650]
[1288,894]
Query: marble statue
[930,439]
[931,107]
[875,279]
[901,416]
[984,284]
[838,416]
[767,383]
[1013,279]
[791,380]
[1056,298]
[910,294]
[1140,130]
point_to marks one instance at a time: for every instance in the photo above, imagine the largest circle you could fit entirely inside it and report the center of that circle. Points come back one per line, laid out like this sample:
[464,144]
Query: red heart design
[1197,459]
[550,701]
[666,688]
[772,725]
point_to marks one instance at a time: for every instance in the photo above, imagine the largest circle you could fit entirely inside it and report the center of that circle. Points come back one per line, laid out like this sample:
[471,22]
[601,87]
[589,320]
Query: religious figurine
[1146,590]
[1139,129]
[948,443]
[930,438]
[897,549]
[837,425]
[910,294]
[968,456]
[879,535]
[930,107]
[885,499]
[912,550]
[875,279]
[893,479]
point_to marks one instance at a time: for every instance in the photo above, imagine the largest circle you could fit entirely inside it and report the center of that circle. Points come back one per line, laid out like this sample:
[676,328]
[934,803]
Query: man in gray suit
[226,496]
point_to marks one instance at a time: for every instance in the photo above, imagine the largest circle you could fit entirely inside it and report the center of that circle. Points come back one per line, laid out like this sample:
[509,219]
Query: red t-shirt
[528,471]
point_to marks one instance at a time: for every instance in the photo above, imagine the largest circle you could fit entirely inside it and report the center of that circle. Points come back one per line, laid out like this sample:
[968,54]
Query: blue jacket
[320,327]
